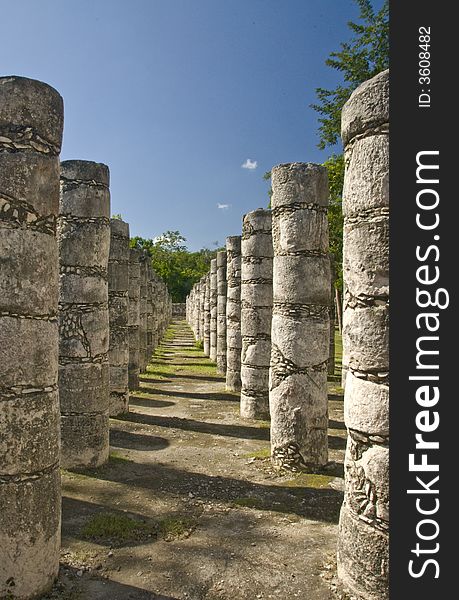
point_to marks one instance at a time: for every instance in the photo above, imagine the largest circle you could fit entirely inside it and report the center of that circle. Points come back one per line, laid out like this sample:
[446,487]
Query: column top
[119,227]
[85,170]
[32,111]
[294,183]
[367,108]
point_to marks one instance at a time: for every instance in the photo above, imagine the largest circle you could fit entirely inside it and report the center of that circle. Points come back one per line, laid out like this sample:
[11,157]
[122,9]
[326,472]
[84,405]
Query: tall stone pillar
[118,302]
[221,312]
[159,310]
[84,242]
[331,351]
[256,312]
[150,324]
[31,120]
[363,531]
[144,258]
[197,316]
[233,314]
[207,317]
[213,310]
[298,397]
[134,319]
[202,316]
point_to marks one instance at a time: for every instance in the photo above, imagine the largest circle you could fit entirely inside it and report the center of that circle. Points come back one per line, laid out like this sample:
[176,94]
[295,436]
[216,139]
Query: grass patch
[117,458]
[172,528]
[117,529]
[248,502]
[158,369]
[78,475]
[338,349]
[259,454]
[309,480]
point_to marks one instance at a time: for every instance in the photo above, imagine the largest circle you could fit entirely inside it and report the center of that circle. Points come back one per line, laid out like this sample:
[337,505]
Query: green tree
[174,263]
[335,168]
[365,55]
[267,177]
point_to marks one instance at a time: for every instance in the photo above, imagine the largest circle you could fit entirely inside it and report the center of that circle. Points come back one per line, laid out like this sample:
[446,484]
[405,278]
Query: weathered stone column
[118,301]
[331,347]
[134,319]
[298,396]
[84,242]
[202,316]
[256,312]
[363,532]
[144,258]
[233,313]
[31,120]
[221,312]
[213,310]
[207,317]
[159,309]
[150,323]
[197,316]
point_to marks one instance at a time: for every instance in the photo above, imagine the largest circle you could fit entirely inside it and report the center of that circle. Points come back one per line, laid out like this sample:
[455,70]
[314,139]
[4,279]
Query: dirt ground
[189,508]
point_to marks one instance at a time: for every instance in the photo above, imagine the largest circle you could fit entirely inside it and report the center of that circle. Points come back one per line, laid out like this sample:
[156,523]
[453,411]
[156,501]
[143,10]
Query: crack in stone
[382,129]
[23,390]
[282,368]
[70,184]
[19,214]
[316,312]
[24,477]
[84,271]
[17,138]
[293,207]
[51,317]
[364,300]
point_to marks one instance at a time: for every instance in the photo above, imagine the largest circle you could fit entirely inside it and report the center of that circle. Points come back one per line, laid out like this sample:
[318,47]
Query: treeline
[174,263]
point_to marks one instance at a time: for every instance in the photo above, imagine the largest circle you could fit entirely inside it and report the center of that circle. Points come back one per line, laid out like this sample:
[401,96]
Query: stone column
[197,316]
[202,316]
[298,396]
[150,324]
[331,350]
[144,258]
[159,310]
[256,312]
[84,242]
[213,310]
[31,120]
[364,521]
[118,301]
[233,314]
[134,319]
[207,317]
[221,312]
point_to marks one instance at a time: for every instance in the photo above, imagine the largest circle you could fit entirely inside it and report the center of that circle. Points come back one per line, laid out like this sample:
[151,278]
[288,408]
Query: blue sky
[176,95]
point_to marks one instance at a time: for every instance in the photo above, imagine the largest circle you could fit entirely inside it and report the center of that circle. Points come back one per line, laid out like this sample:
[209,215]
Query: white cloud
[223,206]
[250,164]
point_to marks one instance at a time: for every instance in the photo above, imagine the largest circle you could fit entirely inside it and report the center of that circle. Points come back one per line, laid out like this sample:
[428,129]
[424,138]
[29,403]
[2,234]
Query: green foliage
[267,177]
[365,55]
[118,217]
[335,168]
[174,263]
